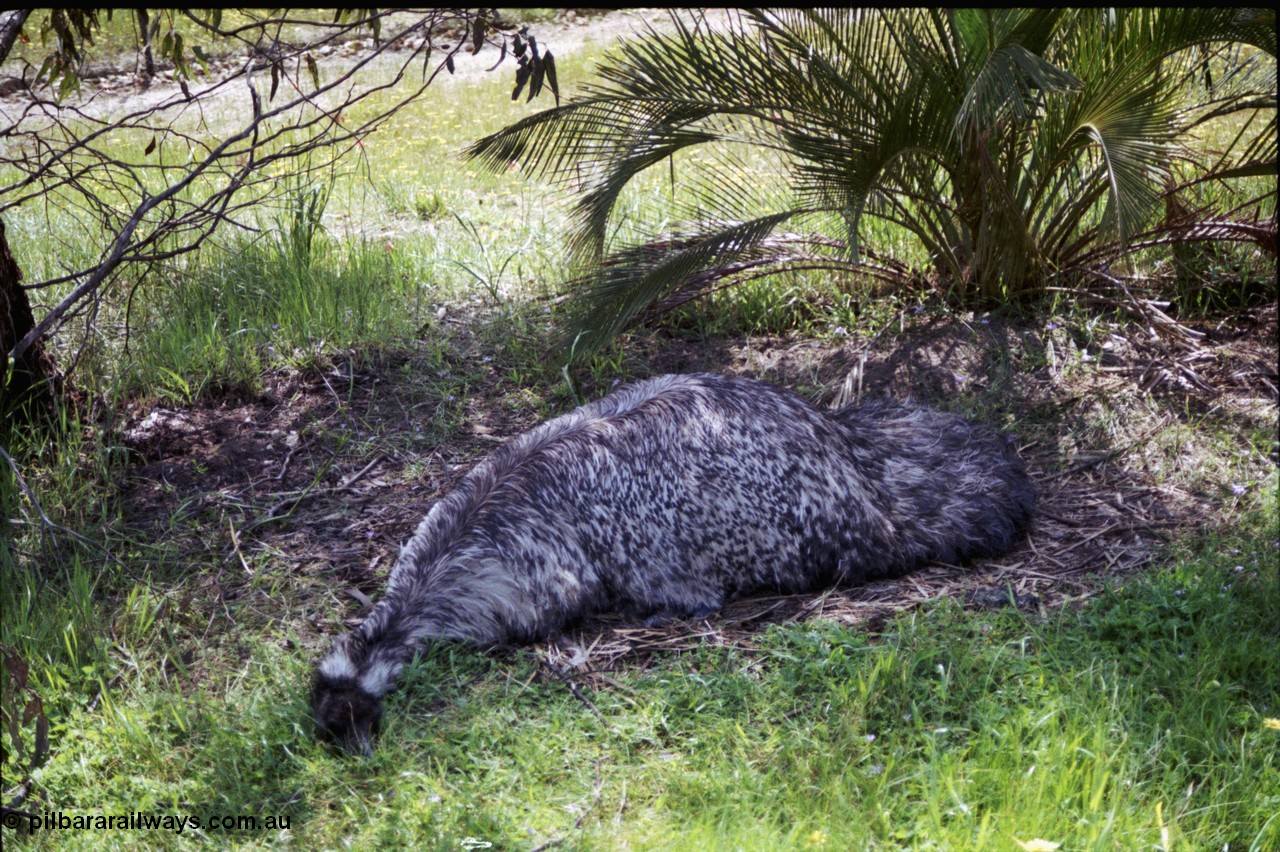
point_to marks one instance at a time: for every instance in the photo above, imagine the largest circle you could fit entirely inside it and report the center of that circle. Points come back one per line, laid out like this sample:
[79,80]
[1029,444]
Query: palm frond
[1007,74]
[631,279]
[1007,142]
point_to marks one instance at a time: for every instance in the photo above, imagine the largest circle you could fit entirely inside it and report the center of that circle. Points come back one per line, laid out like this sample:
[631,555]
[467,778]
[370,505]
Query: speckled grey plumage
[667,498]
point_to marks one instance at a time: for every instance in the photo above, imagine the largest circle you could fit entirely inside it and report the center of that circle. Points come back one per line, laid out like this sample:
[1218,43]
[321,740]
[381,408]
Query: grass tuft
[268,303]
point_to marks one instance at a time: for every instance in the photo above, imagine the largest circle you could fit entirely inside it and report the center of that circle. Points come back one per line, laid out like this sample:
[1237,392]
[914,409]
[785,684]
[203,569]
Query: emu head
[345,714]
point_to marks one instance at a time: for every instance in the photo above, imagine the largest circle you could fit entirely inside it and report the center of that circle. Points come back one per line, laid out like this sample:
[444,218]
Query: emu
[664,500]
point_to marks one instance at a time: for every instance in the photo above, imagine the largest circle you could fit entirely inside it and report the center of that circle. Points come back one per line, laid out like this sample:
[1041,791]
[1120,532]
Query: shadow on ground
[327,473]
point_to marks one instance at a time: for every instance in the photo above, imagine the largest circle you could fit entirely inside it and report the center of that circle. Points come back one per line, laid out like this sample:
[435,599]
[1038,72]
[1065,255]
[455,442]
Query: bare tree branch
[44,519]
[9,29]
[166,195]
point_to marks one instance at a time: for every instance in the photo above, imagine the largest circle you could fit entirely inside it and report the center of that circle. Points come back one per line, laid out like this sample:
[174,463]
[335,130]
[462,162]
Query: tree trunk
[148,68]
[9,30]
[30,382]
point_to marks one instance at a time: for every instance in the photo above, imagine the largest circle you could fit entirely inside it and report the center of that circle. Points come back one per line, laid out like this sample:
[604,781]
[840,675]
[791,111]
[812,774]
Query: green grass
[406,223]
[175,683]
[273,302]
[1136,721]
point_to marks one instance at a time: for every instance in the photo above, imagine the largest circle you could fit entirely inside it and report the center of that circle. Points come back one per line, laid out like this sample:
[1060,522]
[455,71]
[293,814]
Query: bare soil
[326,473]
[319,479]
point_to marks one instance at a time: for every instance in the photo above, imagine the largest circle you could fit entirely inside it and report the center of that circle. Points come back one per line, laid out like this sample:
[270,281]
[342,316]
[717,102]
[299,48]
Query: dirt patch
[200,451]
[1104,513]
[327,473]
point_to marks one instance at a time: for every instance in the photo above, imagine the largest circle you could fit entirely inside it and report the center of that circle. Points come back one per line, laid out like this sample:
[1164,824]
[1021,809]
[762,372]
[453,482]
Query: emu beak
[359,743]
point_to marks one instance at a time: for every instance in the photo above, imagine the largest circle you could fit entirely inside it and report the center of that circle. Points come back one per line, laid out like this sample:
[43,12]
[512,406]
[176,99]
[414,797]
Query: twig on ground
[44,519]
[288,457]
[293,498]
[235,546]
[576,690]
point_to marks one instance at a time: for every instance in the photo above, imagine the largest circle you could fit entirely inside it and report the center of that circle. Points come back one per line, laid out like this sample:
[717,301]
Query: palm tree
[1014,145]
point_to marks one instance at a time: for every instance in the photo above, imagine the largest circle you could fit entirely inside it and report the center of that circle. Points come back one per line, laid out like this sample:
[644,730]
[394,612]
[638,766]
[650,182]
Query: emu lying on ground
[664,500]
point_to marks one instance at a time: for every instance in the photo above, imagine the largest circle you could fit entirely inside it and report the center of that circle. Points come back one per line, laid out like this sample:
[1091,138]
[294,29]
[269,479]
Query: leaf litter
[328,471]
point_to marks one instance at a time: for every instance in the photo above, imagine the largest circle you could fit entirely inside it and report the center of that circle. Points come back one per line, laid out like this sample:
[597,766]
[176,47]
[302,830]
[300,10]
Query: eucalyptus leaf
[313,70]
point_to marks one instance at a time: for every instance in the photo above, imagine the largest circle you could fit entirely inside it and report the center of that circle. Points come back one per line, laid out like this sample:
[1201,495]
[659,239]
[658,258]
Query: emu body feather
[665,499]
